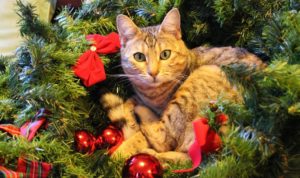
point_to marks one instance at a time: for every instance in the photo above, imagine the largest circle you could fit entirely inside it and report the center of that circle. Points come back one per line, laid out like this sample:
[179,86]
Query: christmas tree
[263,140]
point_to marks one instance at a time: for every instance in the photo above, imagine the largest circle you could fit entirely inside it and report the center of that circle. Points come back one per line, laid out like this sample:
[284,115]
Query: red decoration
[11,129]
[110,138]
[89,66]
[206,141]
[27,168]
[221,118]
[86,142]
[142,166]
[29,128]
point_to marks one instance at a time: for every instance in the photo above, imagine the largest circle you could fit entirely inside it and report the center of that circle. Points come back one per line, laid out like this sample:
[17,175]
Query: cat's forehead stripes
[150,36]
[150,41]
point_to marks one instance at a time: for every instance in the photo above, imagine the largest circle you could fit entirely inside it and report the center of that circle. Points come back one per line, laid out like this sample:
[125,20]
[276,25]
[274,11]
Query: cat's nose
[153,73]
[153,68]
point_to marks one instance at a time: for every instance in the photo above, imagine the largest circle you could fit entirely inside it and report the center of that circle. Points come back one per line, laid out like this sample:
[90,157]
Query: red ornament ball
[221,118]
[142,166]
[86,142]
[111,136]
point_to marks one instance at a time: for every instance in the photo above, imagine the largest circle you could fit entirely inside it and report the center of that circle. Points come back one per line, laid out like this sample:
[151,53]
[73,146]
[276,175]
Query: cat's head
[153,55]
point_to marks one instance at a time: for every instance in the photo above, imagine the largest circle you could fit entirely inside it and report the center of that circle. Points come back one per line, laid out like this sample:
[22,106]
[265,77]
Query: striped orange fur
[173,83]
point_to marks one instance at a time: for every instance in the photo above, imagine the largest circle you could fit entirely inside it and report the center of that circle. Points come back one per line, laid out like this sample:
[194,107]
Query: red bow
[29,128]
[206,141]
[89,66]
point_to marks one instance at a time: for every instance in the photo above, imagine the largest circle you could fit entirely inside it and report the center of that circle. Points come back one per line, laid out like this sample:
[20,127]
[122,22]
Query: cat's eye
[165,54]
[139,56]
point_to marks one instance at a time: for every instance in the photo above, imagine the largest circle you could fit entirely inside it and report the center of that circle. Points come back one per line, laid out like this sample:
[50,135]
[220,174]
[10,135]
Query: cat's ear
[171,23]
[126,28]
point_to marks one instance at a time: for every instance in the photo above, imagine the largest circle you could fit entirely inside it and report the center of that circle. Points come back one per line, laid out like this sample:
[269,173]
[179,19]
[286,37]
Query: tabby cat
[172,84]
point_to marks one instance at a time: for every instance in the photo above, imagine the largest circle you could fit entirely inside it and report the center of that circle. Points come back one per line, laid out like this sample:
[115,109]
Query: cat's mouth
[155,80]
[149,82]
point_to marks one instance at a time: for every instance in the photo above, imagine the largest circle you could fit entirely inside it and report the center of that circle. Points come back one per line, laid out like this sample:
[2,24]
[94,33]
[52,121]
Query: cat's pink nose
[153,73]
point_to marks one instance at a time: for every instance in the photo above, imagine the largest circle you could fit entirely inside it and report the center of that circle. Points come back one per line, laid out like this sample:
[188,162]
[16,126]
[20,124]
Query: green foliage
[278,35]
[263,137]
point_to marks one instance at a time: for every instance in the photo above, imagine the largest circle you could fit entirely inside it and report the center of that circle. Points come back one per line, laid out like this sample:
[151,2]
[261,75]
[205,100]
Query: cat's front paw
[154,130]
[169,156]
[131,146]
[110,100]
[145,114]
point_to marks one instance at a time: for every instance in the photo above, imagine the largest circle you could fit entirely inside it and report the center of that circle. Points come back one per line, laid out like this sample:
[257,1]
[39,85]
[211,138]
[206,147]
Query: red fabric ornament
[89,66]
[34,169]
[27,168]
[206,141]
[111,138]
[29,128]
[142,166]
[11,129]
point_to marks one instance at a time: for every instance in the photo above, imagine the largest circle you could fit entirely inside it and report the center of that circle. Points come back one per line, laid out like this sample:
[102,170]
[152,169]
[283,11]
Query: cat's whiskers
[117,66]
[120,75]
[122,79]
[137,77]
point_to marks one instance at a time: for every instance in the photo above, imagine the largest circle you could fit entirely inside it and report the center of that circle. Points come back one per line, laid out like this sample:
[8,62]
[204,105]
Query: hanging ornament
[142,166]
[110,138]
[89,67]
[221,119]
[86,142]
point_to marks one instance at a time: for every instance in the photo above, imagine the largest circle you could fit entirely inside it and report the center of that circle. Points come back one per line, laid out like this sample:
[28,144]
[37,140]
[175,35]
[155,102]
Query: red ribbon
[29,128]
[89,67]
[28,168]
[206,141]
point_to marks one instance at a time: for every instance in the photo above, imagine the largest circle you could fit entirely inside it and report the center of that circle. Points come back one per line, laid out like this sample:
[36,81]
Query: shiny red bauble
[111,136]
[142,166]
[221,118]
[86,142]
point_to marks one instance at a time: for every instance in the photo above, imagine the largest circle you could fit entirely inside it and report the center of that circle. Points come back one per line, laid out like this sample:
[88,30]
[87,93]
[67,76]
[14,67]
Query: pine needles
[263,138]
